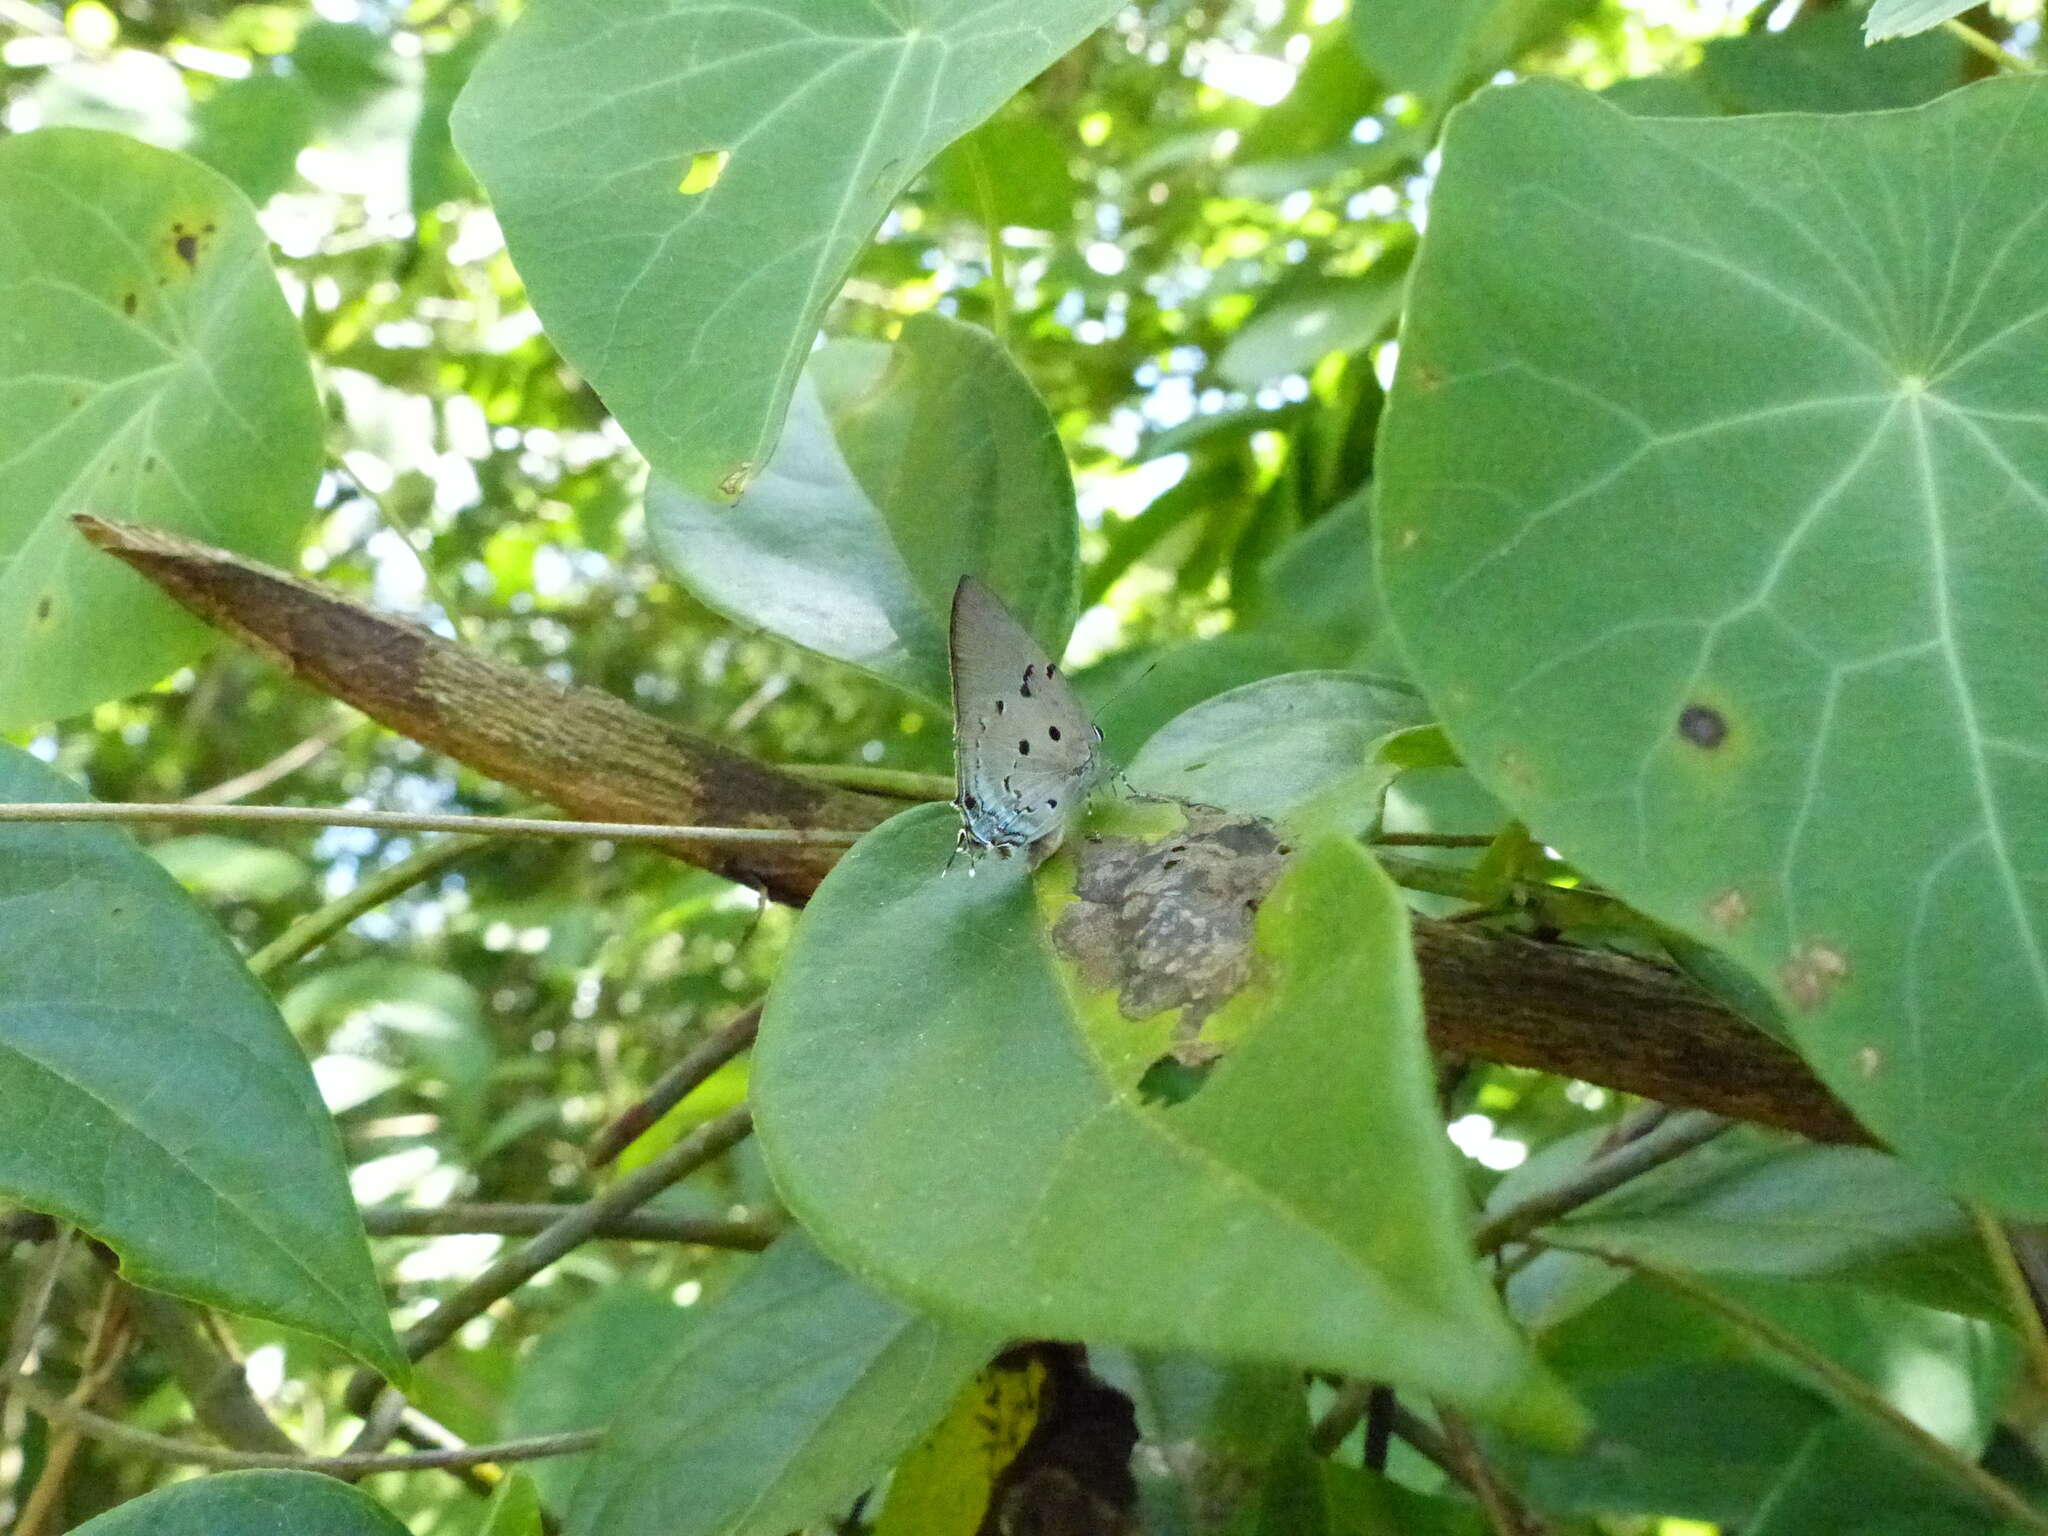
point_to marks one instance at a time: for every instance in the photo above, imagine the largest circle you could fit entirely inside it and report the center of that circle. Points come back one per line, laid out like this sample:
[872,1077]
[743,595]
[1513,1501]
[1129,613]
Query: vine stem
[401,821]
[323,923]
[2019,1296]
[1671,1138]
[97,1427]
[1988,47]
[1843,1385]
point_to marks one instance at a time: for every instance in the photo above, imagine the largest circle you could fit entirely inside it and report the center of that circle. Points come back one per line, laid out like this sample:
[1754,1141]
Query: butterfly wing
[1025,748]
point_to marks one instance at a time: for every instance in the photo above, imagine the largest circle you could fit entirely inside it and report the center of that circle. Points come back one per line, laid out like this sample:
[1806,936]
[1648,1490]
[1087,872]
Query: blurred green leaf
[1902,18]
[903,469]
[1305,322]
[1017,162]
[129,1022]
[1435,48]
[795,1390]
[826,110]
[584,1367]
[158,377]
[1210,1225]
[252,130]
[1297,749]
[229,869]
[1821,64]
[1643,640]
[514,1509]
[249,1504]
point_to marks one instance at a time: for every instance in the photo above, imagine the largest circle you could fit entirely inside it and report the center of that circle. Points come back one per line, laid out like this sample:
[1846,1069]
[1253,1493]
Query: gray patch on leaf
[1169,924]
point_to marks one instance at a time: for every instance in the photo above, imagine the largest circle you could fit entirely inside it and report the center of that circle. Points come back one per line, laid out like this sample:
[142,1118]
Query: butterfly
[1024,747]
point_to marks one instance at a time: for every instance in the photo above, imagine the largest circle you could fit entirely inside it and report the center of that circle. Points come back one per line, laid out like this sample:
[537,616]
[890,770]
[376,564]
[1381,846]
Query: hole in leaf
[1170,1081]
[703,171]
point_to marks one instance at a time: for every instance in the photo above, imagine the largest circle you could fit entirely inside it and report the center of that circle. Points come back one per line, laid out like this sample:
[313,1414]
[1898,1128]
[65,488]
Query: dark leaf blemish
[128,303]
[1703,727]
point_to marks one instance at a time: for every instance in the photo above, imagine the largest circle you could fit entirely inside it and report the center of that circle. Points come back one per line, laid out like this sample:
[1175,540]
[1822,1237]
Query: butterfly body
[1025,749]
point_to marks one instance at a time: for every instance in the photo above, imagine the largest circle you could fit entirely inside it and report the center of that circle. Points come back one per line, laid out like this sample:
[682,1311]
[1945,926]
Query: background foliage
[1170,254]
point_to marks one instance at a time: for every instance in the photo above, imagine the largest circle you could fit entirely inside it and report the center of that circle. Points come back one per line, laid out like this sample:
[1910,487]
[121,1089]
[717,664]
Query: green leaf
[793,1393]
[1902,18]
[1755,1202]
[1435,48]
[584,1367]
[692,312]
[436,173]
[993,1156]
[1738,633]
[515,1509]
[1844,1471]
[1820,64]
[1305,322]
[252,130]
[248,1504]
[150,371]
[903,469]
[1017,160]
[1298,749]
[1229,1450]
[133,1032]
[1130,709]
[230,869]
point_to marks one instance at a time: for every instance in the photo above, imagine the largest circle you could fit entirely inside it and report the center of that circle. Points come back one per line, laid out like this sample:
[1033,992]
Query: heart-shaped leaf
[903,468]
[952,1113]
[133,1039]
[150,370]
[683,183]
[1751,635]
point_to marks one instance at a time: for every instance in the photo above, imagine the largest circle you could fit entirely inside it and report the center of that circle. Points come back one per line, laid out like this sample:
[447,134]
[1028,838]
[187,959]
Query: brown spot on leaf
[43,609]
[1729,910]
[1703,726]
[1428,378]
[736,479]
[1813,973]
[1170,926]
[187,247]
[129,303]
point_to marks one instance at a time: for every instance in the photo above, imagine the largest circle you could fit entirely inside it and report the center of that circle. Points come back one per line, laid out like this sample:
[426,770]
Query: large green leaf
[1724,580]
[1821,64]
[154,1097]
[249,1504]
[903,468]
[149,370]
[795,1392]
[1435,47]
[683,183]
[951,1114]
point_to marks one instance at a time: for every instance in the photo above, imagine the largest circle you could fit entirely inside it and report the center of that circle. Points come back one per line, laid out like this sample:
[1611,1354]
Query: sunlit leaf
[249,1504]
[904,468]
[150,371]
[995,1154]
[1902,18]
[1746,634]
[130,1023]
[693,313]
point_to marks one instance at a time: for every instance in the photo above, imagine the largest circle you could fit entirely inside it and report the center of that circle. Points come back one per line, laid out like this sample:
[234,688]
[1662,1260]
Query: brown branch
[1602,1018]
[585,751]
[675,1085]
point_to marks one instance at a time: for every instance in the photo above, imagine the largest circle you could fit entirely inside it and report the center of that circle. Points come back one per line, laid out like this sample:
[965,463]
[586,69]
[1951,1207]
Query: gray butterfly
[1024,748]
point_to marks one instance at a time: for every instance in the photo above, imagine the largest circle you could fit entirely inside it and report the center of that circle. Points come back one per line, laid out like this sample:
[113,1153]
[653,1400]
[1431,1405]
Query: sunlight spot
[688,1293]
[1250,77]
[703,171]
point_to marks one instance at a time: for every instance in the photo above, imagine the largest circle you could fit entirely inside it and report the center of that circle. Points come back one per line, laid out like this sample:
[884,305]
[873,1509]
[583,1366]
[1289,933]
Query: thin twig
[1351,1404]
[35,1305]
[1503,1511]
[1433,840]
[213,1381]
[524,1220]
[897,783]
[1847,1388]
[53,1406]
[322,924]
[400,821]
[577,1226]
[1672,1138]
[105,1348]
[282,766]
[673,1086]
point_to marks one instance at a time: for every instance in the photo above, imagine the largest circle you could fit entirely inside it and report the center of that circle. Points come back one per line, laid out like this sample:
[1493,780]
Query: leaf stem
[515,1219]
[400,821]
[674,1086]
[323,923]
[2019,1296]
[1847,1388]
[998,259]
[1990,48]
